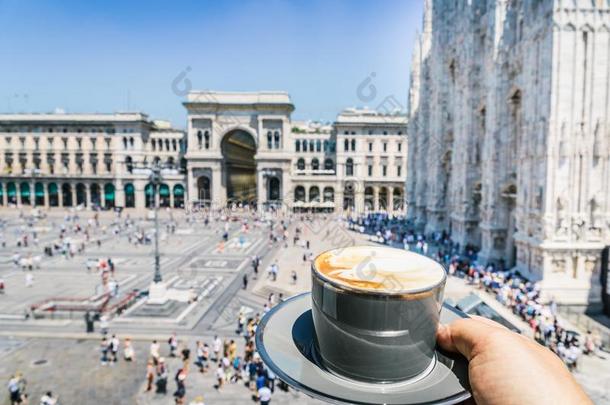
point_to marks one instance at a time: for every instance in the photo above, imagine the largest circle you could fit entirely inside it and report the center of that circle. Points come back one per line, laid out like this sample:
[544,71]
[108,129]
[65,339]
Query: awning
[39,190]
[25,189]
[178,190]
[109,192]
[52,188]
[129,189]
[11,189]
[164,190]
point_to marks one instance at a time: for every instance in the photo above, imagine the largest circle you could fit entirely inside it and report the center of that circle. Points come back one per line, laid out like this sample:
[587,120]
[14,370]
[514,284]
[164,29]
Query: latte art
[379,268]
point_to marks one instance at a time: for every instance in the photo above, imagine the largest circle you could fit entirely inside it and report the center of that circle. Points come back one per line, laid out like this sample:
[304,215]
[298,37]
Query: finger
[462,335]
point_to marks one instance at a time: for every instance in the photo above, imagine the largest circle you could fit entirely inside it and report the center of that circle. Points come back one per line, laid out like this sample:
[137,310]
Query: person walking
[264,395]
[150,375]
[173,345]
[217,346]
[154,352]
[16,388]
[162,373]
[104,346]
[128,352]
[114,349]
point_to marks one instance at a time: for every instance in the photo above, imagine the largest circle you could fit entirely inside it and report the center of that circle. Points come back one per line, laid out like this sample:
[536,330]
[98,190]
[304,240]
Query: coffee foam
[380,269]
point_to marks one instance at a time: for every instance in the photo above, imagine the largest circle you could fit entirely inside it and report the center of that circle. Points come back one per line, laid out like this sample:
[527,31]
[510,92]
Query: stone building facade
[509,135]
[244,146]
[66,160]
[238,147]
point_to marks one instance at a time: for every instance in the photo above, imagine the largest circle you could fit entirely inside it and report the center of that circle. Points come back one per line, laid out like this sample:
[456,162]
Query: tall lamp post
[157,291]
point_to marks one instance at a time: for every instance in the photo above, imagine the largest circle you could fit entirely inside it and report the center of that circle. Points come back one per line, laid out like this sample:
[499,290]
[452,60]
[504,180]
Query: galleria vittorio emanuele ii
[400,202]
[509,137]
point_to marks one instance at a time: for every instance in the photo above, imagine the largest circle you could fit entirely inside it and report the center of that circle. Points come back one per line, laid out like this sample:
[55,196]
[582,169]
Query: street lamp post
[155,179]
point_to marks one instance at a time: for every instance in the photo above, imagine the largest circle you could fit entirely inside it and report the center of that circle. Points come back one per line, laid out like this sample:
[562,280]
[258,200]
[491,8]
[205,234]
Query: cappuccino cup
[376,311]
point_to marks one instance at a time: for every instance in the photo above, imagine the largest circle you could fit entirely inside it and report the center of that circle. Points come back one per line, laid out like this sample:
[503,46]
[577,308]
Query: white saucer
[285,342]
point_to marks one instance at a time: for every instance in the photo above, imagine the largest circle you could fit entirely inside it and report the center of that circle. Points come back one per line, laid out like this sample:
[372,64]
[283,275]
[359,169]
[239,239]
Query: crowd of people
[509,288]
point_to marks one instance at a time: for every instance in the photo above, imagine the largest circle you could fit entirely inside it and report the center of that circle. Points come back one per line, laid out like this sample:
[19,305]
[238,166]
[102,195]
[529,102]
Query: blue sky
[104,56]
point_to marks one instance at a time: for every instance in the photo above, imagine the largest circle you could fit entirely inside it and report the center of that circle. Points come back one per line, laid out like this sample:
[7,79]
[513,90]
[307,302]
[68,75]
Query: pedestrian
[245,281]
[128,352]
[162,373]
[264,395]
[173,344]
[180,392]
[104,350]
[220,377]
[293,275]
[154,352]
[217,345]
[104,324]
[114,349]
[150,375]
[15,389]
[47,399]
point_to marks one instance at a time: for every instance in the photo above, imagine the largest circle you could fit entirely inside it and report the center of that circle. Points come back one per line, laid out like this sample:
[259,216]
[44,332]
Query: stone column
[33,194]
[102,195]
[87,195]
[338,196]
[140,198]
[260,190]
[390,202]
[60,194]
[46,194]
[191,189]
[218,190]
[171,195]
[119,194]
[375,198]
[359,200]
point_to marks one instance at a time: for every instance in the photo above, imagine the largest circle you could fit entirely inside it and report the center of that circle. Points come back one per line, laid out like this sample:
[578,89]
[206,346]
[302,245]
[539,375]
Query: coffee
[379,269]
[375,312]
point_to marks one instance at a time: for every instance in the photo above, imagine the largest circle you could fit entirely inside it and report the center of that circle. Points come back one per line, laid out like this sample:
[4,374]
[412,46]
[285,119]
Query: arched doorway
[130,196]
[369,199]
[238,150]
[109,195]
[95,195]
[39,194]
[149,195]
[178,196]
[66,194]
[24,188]
[164,195]
[273,189]
[11,192]
[53,195]
[203,190]
[81,194]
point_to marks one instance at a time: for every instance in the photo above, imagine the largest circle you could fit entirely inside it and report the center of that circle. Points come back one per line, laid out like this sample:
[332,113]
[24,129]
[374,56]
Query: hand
[508,368]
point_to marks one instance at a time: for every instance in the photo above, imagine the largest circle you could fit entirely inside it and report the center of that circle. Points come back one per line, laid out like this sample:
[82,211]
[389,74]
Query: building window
[297,146]
[301,164]
[65,142]
[370,146]
[269,140]
[124,143]
[325,146]
[199,140]
[315,164]
[318,146]
[328,164]
[349,167]
[276,139]
[304,145]
[346,145]
[385,146]
[206,137]
[370,170]
[174,146]
[398,170]
[131,142]
[400,146]
[311,145]
[154,145]
[353,145]
[384,170]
